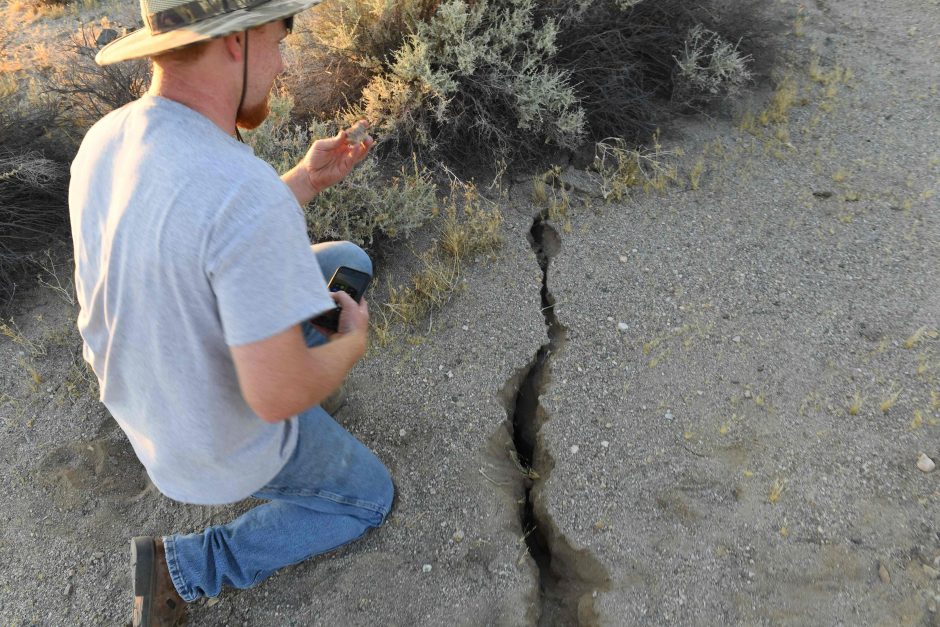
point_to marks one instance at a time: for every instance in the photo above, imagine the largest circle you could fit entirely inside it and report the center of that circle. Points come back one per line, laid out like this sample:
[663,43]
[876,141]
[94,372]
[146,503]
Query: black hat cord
[241,101]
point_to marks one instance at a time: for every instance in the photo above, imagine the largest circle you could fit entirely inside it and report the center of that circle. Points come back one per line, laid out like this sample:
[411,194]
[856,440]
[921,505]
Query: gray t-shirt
[186,244]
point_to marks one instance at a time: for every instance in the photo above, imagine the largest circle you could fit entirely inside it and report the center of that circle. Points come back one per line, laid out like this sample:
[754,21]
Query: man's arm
[279,376]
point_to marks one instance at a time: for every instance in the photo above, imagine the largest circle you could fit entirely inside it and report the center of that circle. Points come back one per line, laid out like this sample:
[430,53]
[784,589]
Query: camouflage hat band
[195,11]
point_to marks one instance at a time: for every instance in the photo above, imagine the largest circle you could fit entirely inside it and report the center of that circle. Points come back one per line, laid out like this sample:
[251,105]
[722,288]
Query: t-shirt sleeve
[263,272]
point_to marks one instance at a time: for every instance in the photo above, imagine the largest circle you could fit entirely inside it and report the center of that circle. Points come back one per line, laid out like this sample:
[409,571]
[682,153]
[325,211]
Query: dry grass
[919,335]
[624,169]
[776,490]
[856,405]
[889,400]
[471,226]
[11,331]
[695,174]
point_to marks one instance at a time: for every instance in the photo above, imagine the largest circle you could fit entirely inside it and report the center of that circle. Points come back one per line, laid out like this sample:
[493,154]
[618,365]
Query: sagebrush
[510,79]
[369,203]
[33,184]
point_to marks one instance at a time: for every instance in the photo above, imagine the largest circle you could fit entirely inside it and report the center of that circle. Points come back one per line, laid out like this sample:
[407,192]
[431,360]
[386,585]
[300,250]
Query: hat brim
[143,43]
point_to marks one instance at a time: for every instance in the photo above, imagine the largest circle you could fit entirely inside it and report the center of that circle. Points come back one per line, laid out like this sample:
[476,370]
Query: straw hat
[171,24]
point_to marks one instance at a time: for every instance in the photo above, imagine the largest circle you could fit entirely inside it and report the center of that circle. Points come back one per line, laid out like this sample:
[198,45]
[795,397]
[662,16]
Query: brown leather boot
[156,602]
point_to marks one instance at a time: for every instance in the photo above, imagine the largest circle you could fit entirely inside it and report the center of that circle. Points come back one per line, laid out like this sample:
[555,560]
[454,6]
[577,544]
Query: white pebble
[465,328]
[574,449]
[610,319]
[426,568]
[623,326]
[450,374]
[668,415]
[736,338]
[605,443]
[402,433]
[925,463]
[623,259]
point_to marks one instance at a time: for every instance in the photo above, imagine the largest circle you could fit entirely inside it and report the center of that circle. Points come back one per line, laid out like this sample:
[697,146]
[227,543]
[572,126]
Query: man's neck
[204,96]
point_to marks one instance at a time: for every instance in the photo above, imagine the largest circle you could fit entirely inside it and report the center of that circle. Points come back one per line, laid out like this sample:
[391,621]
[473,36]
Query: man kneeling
[196,282]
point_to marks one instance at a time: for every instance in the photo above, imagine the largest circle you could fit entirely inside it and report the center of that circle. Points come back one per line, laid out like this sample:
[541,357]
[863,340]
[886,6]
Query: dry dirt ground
[723,410]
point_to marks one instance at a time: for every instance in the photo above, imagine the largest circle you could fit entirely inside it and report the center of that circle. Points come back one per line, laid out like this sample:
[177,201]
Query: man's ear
[234,45]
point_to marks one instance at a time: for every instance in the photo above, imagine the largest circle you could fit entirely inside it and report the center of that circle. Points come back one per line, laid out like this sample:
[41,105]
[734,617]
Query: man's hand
[353,319]
[326,163]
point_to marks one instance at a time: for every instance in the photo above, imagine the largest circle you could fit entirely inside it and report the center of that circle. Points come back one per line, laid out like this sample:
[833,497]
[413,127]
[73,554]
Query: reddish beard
[252,116]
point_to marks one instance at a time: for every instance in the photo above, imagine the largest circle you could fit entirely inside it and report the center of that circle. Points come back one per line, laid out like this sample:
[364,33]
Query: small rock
[610,319]
[450,374]
[605,443]
[823,194]
[574,449]
[925,463]
[736,338]
[932,607]
[402,433]
[465,328]
[68,589]
[623,259]
[212,601]
[931,572]
[747,394]
[623,326]
[668,415]
[458,536]
[97,555]
[426,568]
[883,573]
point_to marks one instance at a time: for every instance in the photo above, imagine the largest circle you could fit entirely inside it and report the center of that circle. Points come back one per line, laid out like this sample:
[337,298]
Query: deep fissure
[567,578]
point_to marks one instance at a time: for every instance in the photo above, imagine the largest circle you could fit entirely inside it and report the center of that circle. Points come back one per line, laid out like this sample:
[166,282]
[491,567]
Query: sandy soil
[743,452]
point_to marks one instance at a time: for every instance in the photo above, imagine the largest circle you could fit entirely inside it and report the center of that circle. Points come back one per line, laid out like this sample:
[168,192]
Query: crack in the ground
[568,579]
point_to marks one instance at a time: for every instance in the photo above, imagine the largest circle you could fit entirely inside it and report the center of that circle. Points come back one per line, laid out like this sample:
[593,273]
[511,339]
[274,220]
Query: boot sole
[142,560]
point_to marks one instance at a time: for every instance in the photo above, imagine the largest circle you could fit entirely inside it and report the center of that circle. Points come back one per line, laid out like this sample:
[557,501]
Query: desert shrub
[368,203]
[710,65]
[477,77]
[454,78]
[639,61]
[32,189]
[89,91]
[507,78]
[469,226]
[337,47]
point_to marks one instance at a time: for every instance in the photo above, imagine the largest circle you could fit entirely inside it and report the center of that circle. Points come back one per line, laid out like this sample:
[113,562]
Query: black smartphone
[354,283]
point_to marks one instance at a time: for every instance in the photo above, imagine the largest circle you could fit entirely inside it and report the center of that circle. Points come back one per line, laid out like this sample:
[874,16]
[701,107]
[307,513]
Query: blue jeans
[331,491]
